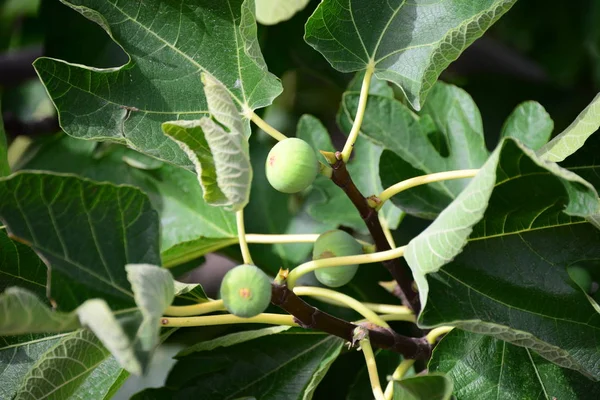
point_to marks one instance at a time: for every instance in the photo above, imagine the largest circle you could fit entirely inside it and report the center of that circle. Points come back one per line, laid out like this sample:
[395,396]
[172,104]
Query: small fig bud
[246,291]
[336,243]
[581,277]
[292,165]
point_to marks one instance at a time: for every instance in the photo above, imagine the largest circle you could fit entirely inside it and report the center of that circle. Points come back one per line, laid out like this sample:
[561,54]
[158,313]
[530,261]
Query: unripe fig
[292,165]
[336,243]
[246,291]
[581,277]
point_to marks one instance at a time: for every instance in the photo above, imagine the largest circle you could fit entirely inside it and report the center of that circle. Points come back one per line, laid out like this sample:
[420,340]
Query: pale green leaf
[221,156]
[572,138]
[408,43]
[271,12]
[168,46]
[529,123]
[23,312]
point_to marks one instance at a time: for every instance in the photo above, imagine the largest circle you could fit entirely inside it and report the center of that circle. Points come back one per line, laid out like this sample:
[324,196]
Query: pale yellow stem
[273,319]
[339,261]
[262,124]
[360,113]
[195,309]
[367,350]
[239,216]
[269,239]
[386,231]
[406,364]
[343,299]
[394,312]
[422,180]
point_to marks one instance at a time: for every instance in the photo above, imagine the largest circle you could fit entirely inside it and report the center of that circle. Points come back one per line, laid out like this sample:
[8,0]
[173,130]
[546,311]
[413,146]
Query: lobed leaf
[479,264]
[169,44]
[408,43]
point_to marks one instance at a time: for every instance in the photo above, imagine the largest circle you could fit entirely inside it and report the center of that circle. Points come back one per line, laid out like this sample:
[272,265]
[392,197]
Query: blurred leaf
[271,12]
[482,367]
[529,123]
[572,138]
[286,365]
[409,44]
[423,387]
[389,124]
[4,167]
[161,82]
[519,219]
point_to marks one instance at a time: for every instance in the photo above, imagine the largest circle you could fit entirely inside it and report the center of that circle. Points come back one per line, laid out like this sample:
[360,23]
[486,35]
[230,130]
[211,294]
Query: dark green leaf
[169,48]
[407,43]
[423,387]
[286,365]
[483,367]
[88,231]
[518,220]
[20,266]
[189,226]
[530,123]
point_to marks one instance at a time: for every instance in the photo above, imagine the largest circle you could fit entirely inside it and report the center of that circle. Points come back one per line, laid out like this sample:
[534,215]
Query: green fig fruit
[581,277]
[292,165]
[336,243]
[246,291]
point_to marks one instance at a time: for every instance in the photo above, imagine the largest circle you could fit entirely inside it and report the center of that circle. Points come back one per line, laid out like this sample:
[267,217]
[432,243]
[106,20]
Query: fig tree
[246,291]
[336,243]
[292,165]
[581,277]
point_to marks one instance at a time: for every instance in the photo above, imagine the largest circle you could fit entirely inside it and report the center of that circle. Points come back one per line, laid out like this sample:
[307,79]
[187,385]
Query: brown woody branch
[310,317]
[397,267]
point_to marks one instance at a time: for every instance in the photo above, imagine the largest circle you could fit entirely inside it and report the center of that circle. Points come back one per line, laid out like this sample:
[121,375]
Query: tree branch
[397,267]
[310,317]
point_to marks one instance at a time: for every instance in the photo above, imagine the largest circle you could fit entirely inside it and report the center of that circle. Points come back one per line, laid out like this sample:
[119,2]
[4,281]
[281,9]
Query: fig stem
[365,345]
[309,266]
[262,124]
[239,217]
[195,309]
[338,297]
[386,231]
[265,318]
[260,238]
[405,365]
[389,310]
[422,180]
[360,113]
